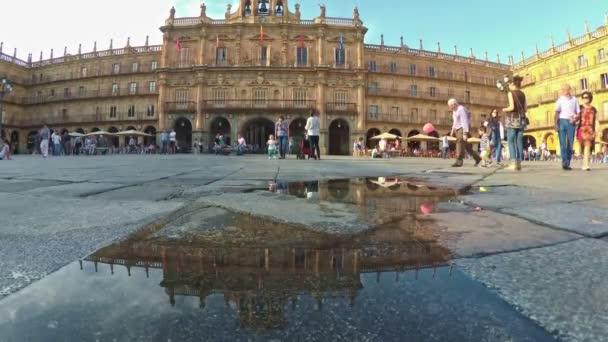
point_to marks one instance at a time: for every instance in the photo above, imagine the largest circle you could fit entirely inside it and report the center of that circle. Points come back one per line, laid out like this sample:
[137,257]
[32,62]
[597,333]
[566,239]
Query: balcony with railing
[285,106]
[181,107]
[87,95]
[434,96]
[93,73]
[81,119]
[406,118]
[440,75]
[341,108]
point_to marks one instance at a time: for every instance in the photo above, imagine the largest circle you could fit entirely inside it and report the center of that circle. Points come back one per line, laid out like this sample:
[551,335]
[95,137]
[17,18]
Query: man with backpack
[460,129]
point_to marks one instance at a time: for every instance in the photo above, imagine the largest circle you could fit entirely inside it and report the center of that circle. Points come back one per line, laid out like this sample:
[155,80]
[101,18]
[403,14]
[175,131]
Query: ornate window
[373,111]
[433,91]
[219,96]
[184,57]
[134,67]
[300,97]
[372,66]
[259,97]
[221,56]
[340,99]
[393,67]
[182,97]
[302,56]
[116,68]
[152,87]
[132,88]
[340,56]
[412,69]
[432,71]
[115,89]
[150,110]
[414,90]
[113,112]
[263,7]
[131,111]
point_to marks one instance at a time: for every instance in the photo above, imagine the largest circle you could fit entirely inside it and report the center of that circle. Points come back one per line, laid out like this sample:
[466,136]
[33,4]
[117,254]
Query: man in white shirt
[567,110]
[313,128]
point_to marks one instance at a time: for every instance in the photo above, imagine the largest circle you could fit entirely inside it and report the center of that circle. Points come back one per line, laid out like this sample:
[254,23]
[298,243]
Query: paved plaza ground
[534,244]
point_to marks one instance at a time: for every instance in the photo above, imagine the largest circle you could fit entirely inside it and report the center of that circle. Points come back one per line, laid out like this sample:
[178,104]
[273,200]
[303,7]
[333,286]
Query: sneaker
[477,162]
[457,164]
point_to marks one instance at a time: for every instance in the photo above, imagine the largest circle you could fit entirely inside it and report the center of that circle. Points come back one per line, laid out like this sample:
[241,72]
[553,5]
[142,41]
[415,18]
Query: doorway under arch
[14,140]
[372,132]
[183,134]
[339,136]
[150,140]
[257,131]
[297,131]
[113,140]
[80,130]
[433,145]
[529,141]
[412,145]
[33,142]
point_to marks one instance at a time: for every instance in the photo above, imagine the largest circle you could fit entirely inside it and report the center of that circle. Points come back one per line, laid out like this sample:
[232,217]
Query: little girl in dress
[272,147]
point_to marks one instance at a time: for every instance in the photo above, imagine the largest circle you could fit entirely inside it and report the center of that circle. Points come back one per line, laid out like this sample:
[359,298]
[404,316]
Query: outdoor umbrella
[422,137]
[134,133]
[100,133]
[76,134]
[387,136]
[474,140]
[451,138]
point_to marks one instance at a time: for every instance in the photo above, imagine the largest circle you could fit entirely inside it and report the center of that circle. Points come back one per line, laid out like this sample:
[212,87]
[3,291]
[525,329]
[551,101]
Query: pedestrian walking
[313,128]
[567,111]
[460,129]
[497,135]
[587,127]
[44,141]
[281,130]
[516,122]
[173,141]
[56,138]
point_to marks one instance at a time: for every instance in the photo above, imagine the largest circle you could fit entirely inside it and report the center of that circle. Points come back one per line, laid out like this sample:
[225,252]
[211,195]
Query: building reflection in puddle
[262,267]
[380,199]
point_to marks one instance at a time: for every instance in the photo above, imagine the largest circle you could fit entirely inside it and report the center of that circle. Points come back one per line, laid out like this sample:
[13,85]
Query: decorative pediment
[182,82]
[306,38]
[336,39]
[220,80]
[260,80]
[301,82]
[258,37]
[341,82]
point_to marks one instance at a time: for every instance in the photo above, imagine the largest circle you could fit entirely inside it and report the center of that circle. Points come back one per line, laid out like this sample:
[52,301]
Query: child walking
[484,146]
[272,147]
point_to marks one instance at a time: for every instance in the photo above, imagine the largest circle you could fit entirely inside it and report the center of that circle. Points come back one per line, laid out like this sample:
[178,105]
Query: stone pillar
[360,50]
[199,120]
[165,54]
[321,89]
[162,99]
[320,46]
[203,45]
[361,105]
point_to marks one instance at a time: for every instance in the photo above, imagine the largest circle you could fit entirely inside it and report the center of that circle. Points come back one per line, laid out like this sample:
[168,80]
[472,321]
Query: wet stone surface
[217,275]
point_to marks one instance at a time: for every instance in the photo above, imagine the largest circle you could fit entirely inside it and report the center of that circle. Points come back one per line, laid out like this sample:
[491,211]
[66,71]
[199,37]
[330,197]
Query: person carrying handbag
[516,122]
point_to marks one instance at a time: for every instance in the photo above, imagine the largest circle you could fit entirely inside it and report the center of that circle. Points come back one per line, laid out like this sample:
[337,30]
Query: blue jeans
[566,140]
[444,152]
[57,150]
[515,138]
[283,145]
[498,146]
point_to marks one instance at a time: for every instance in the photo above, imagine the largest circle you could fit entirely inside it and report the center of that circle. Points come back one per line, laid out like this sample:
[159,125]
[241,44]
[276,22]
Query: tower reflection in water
[262,267]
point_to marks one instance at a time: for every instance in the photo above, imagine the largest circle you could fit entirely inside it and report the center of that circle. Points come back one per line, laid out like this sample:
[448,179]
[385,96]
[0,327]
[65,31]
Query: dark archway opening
[257,131]
[183,135]
[339,136]
[372,132]
[412,145]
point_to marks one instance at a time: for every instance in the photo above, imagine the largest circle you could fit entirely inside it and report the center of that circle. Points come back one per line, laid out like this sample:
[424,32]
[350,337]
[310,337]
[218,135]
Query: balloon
[427,208]
[428,128]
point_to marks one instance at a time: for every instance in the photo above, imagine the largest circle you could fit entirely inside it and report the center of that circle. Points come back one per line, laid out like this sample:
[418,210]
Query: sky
[500,27]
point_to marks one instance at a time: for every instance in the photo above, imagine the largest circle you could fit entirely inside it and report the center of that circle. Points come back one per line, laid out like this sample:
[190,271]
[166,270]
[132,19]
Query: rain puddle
[213,274]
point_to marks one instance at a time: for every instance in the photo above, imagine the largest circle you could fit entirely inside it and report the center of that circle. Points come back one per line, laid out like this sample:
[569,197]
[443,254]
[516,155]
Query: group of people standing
[278,143]
[571,119]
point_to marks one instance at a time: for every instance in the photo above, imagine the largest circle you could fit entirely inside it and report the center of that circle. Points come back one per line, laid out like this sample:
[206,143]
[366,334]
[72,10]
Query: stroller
[305,150]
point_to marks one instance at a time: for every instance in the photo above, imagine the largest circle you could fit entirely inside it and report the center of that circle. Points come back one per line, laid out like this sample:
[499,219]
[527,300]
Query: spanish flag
[261,33]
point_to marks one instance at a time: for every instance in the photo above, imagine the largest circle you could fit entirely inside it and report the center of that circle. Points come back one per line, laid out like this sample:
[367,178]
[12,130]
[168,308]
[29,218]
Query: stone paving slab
[20,185]
[470,233]
[574,217]
[73,189]
[34,215]
[562,288]
[516,196]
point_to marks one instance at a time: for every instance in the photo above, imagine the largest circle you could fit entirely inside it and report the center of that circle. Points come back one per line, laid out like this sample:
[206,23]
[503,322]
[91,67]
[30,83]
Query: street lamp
[6,87]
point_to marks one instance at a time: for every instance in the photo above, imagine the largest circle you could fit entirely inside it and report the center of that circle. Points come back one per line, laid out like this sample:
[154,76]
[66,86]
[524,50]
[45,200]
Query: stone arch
[413,144]
[338,189]
[80,130]
[257,131]
[95,129]
[372,132]
[396,132]
[339,138]
[529,140]
[551,140]
[183,134]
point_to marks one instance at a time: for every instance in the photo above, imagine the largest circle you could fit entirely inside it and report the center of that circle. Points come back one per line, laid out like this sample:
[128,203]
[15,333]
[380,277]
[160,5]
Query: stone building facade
[237,74]
[581,62]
